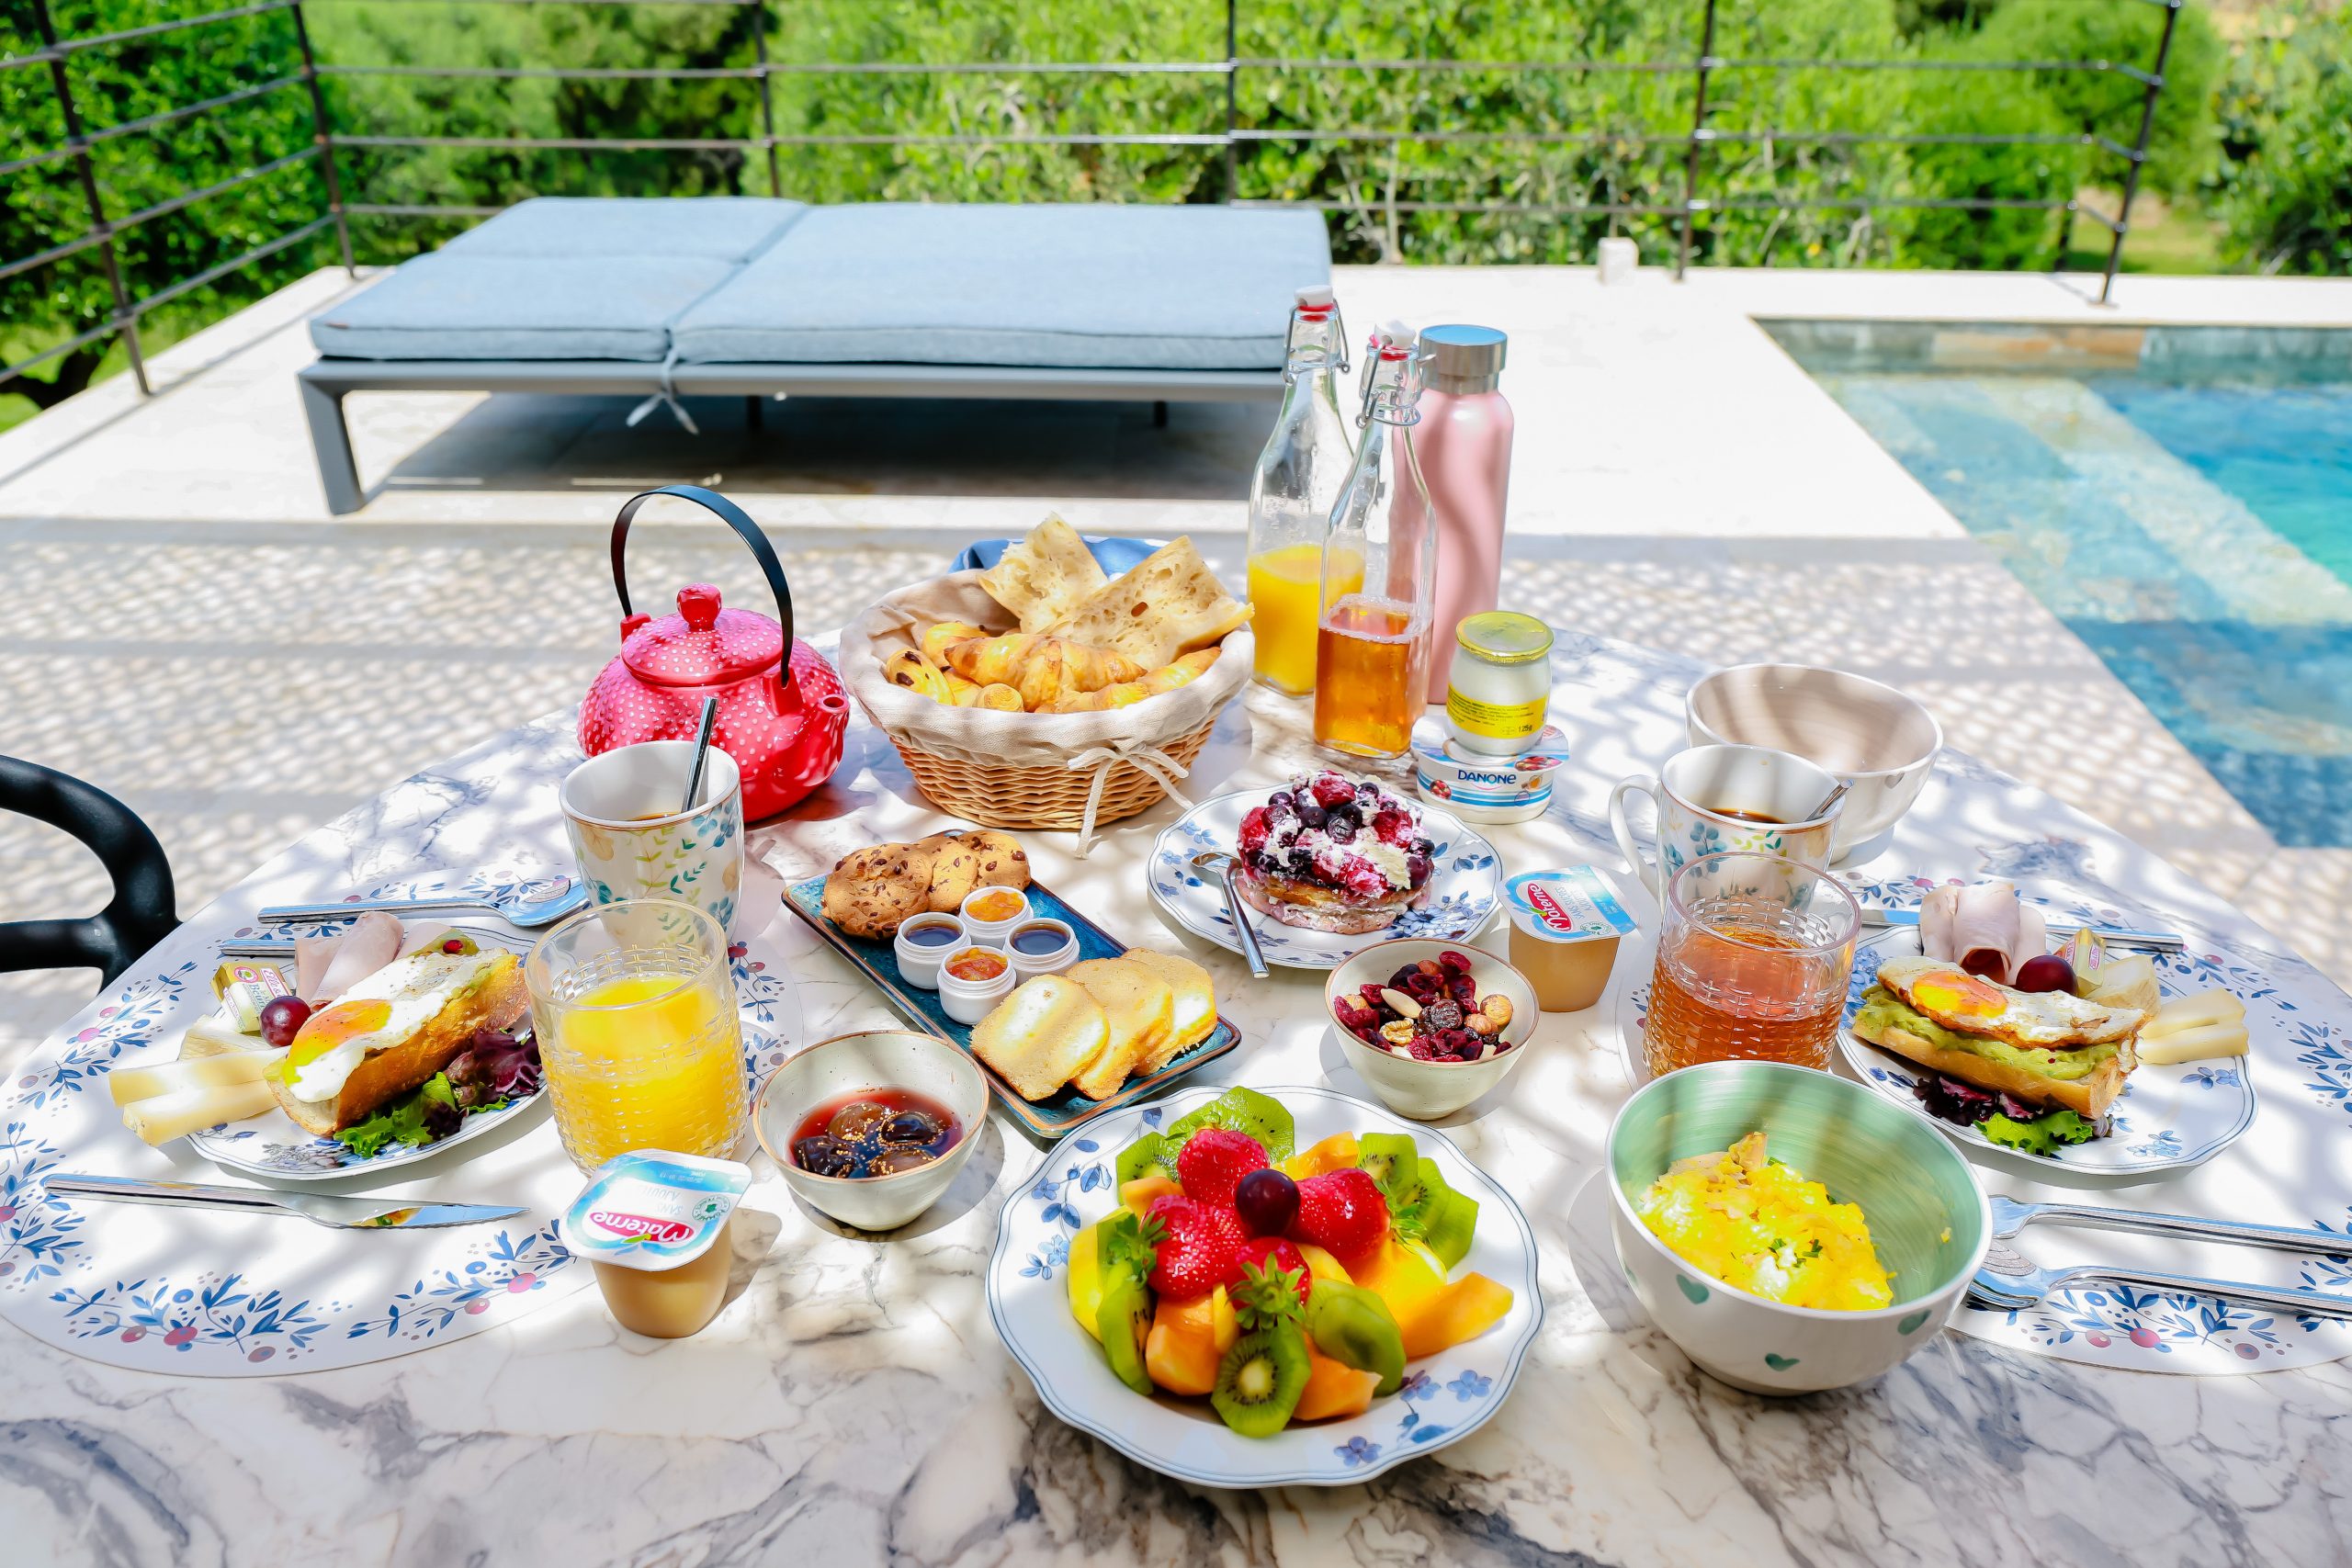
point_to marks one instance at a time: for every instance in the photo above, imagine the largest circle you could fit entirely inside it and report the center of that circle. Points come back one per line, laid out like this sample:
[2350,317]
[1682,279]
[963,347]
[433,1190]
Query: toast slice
[1168,603]
[1040,1034]
[1046,575]
[2087,1097]
[1141,1008]
[483,991]
[1195,1005]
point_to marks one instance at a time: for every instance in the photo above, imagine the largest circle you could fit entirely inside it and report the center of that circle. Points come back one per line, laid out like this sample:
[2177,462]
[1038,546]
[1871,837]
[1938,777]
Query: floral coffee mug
[621,809]
[1729,797]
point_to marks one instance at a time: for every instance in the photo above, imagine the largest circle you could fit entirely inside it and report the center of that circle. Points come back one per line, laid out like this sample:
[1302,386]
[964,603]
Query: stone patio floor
[187,628]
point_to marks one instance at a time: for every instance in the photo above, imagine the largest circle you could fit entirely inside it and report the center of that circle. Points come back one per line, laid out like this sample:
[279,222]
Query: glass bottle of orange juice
[1291,491]
[1371,647]
[634,1005]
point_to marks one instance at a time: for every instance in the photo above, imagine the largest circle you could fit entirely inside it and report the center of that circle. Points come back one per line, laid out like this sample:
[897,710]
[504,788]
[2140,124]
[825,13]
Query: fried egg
[381,1011]
[1970,1004]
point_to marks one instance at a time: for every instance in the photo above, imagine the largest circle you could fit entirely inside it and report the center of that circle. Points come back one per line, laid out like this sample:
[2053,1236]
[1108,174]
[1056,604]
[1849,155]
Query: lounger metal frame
[325,383]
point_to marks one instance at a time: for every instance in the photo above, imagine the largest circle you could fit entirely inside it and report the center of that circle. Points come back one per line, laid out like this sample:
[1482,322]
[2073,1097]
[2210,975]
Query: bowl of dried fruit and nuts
[1429,1025]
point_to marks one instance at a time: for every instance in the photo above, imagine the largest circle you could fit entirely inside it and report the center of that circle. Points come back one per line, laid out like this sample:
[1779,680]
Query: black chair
[142,911]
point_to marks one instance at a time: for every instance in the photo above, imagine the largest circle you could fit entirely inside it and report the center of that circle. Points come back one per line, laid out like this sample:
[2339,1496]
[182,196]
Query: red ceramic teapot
[782,725]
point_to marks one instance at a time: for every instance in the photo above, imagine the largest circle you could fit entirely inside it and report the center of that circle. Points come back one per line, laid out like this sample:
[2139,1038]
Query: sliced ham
[373,941]
[1988,930]
[1936,912]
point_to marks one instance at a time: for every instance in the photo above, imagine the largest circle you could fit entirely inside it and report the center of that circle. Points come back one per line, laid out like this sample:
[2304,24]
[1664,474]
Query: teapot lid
[701,644]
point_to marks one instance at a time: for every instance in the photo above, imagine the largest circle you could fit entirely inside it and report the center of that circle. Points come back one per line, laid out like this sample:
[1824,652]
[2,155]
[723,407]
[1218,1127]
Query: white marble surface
[853,1402]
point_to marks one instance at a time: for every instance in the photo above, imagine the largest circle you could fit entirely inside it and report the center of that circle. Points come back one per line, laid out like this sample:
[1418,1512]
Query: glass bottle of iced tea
[1372,643]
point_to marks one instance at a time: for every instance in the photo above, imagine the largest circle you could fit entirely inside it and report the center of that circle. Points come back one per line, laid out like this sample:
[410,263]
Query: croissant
[909,669]
[1167,678]
[1042,669]
[938,640]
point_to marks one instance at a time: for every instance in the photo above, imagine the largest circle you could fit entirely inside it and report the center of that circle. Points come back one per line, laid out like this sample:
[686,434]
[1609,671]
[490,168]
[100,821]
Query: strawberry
[1330,789]
[1343,1212]
[1271,1255]
[1198,1246]
[1213,1162]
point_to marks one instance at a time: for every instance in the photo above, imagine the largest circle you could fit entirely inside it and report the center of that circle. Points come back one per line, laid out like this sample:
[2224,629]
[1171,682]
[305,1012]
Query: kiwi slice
[1239,1110]
[1261,1379]
[1354,1327]
[1150,1155]
[1393,1162]
[1125,1320]
[1449,1219]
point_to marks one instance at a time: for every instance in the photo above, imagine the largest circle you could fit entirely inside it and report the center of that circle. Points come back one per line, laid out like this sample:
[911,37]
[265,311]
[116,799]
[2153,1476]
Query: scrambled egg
[1758,1225]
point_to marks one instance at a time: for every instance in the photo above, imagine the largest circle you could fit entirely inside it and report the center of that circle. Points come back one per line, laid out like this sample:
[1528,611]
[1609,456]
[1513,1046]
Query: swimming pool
[2181,497]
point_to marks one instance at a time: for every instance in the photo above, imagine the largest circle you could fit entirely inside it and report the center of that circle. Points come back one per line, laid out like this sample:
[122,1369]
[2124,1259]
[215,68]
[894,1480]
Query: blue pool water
[2193,527]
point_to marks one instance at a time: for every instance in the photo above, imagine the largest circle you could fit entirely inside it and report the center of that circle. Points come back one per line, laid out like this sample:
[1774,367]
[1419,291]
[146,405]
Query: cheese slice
[2197,1011]
[175,1115]
[131,1085]
[2199,1045]
[216,1035]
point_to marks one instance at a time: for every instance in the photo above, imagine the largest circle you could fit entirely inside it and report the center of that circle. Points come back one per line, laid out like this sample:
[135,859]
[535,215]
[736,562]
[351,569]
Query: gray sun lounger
[745,297]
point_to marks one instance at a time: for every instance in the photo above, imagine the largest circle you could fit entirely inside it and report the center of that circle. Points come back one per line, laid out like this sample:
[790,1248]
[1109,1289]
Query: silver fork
[542,903]
[2010,1282]
[2010,1216]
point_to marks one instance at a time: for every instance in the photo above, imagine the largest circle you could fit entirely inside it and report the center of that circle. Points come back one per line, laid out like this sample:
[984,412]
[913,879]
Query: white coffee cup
[1728,797]
[632,842]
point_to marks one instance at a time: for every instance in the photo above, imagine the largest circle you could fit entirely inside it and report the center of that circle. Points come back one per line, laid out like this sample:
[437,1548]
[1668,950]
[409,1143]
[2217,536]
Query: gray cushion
[1131,286]
[457,306]
[727,228]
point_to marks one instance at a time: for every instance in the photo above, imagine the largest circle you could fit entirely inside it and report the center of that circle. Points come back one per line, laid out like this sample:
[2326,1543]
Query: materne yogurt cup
[655,1225]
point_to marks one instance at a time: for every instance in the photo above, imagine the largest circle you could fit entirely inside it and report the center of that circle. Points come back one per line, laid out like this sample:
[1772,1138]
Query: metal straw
[702,752]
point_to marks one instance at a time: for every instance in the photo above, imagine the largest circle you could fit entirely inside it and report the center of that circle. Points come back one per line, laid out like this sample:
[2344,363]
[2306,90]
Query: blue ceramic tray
[878,962]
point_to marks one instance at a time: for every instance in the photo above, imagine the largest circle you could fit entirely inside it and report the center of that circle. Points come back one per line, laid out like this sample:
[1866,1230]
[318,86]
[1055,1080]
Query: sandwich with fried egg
[391,1030]
[2042,1048]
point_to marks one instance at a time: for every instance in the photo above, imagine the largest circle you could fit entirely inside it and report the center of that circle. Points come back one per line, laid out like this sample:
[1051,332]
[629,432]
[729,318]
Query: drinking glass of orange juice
[1753,957]
[634,1005]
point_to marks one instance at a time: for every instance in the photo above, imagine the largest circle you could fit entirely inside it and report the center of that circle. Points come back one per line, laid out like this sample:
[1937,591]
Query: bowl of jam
[871,1128]
[1041,947]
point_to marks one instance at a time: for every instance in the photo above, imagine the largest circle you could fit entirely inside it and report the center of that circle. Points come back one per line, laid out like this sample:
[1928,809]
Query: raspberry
[1332,790]
[1253,830]
[1393,827]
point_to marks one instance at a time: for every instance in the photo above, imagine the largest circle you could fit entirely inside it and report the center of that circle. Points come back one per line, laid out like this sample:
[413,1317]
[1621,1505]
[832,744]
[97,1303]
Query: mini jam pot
[1041,947]
[972,980]
[922,942]
[1009,906]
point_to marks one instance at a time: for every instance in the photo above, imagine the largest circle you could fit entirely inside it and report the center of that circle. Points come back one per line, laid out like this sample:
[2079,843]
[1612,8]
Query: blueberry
[1347,813]
[1417,869]
[1342,831]
[1425,846]
[1367,794]
[1301,863]
[1311,814]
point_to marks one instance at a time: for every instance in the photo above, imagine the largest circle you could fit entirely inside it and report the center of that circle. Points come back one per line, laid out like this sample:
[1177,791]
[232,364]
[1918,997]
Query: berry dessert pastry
[1333,853]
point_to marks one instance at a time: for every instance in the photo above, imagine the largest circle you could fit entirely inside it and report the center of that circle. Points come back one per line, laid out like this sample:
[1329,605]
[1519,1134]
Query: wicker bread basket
[1075,771]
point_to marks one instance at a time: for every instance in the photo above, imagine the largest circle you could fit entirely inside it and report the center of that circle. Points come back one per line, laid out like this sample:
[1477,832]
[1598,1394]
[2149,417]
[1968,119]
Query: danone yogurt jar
[655,1225]
[1565,927]
[1480,787]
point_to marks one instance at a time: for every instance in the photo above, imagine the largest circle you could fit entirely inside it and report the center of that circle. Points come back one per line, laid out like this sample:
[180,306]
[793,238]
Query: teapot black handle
[735,517]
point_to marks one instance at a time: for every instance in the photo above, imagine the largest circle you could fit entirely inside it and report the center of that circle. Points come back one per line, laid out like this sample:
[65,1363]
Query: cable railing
[1690,201]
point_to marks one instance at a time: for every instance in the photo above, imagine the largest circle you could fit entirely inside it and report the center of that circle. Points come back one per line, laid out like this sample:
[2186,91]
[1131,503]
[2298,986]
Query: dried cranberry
[1455,959]
[1423,1051]
[1398,981]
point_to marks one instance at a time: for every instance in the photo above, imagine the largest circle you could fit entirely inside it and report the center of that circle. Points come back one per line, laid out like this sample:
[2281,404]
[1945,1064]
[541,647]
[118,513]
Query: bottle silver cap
[1465,358]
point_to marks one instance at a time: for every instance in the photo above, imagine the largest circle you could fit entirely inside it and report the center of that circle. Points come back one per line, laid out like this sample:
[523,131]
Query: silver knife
[2122,936]
[340,1214]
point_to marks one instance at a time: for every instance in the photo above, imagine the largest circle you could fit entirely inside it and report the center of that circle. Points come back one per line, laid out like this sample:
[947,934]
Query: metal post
[1706,63]
[126,320]
[1232,36]
[322,133]
[767,95]
[2140,149]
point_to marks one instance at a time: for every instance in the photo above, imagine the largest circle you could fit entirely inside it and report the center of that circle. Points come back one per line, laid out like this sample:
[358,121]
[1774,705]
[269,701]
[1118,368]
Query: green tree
[2285,186]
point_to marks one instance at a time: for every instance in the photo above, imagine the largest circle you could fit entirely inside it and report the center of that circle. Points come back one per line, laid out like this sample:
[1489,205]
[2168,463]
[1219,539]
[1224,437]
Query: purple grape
[1418,868]
[281,1017]
[1267,1202]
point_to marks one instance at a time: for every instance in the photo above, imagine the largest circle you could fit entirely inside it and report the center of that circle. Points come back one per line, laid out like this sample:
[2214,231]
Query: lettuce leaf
[428,1112]
[2042,1135]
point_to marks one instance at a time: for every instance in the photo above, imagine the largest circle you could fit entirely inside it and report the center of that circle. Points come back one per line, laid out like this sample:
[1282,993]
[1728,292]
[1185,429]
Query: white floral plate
[2166,1119]
[275,1146]
[1465,886]
[1445,1398]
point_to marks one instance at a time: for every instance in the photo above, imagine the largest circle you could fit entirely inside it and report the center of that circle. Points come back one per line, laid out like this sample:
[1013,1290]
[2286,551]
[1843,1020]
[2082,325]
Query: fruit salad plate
[2168,1119]
[1069,1225]
[920,1006]
[1464,888]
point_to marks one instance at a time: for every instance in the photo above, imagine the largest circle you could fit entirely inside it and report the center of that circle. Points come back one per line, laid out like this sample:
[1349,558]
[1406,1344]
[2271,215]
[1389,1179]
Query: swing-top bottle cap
[1318,297]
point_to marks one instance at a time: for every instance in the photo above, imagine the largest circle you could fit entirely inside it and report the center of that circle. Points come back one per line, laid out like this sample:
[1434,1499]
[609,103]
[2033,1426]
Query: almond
[1405,1006]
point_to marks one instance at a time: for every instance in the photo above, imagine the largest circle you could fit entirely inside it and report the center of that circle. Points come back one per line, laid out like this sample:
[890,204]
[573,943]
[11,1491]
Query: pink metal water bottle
[1464,442]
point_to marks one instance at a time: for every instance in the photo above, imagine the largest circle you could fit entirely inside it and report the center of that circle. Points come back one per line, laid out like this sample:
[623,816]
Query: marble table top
[853,1404]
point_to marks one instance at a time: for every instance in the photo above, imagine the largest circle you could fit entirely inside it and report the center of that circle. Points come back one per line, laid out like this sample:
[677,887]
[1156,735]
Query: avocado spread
[1883,1008]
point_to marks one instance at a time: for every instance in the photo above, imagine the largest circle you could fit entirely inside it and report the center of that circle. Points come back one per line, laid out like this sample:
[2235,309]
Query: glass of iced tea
[1753,956]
